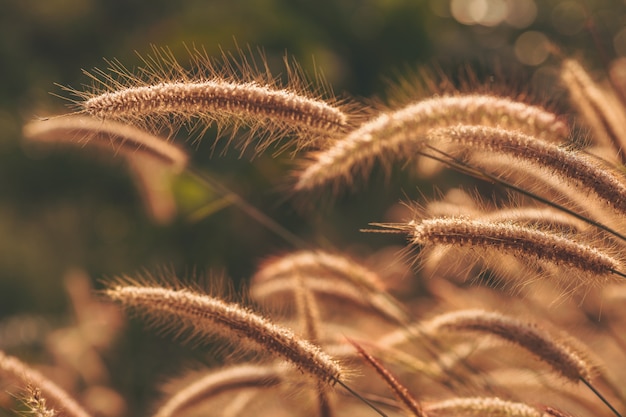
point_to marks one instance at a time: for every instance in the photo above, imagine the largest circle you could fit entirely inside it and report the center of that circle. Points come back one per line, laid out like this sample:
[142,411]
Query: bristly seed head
[477,406]
[205,316]
[238,100]
[572,167]
[395,134]
[231,93]
[561,358]
[517,240]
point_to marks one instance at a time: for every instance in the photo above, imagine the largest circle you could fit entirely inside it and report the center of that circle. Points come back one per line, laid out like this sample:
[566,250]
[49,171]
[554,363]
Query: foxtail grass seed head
[519,241]
[152,160]
[586,173]
[393,134]
[565,361]
[205,316]
[599,107]
[321,262]
[118,137]
[279,291]
[328,274]
[477,406]
[232,93]
[13,368]
[237,100]
[229,379]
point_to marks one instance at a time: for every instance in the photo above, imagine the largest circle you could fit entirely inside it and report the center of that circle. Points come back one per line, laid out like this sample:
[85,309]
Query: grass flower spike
[205,316]
[232,93]
[394,135]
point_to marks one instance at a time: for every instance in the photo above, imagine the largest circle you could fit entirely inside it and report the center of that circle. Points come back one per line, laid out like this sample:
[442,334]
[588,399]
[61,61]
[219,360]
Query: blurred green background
[64,210]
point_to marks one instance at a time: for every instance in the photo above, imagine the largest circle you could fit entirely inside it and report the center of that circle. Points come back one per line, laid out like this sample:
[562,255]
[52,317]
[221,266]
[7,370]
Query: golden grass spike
[578,170]
[563,360]
[118,137]
[600,108]
[546,217]
[239,101]
[399,390]
[476,170]
[217,382]
[152,160]
[13,368]
[352,280]
[529,243]
[322,261]
[393,134]
[206,316]
[232,92]
[272,293]
[477,406]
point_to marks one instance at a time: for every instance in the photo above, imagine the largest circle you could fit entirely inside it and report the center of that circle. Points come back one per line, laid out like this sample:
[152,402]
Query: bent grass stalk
[249,209]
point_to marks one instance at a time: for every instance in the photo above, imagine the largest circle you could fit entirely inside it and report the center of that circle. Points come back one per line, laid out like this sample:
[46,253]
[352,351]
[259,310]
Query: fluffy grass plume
[398,134]
[579,170]
[588,265]
[563,360]
[205,316]
[232,92]
[227,380]
[119,138]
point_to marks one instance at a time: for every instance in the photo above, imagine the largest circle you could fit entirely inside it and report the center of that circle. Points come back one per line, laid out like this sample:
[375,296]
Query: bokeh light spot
[531,48]
[481,12]
[521,13]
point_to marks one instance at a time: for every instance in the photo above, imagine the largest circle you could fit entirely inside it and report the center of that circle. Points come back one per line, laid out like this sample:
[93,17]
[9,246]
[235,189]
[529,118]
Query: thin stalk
[247,208]
[601,397]
[363,399]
